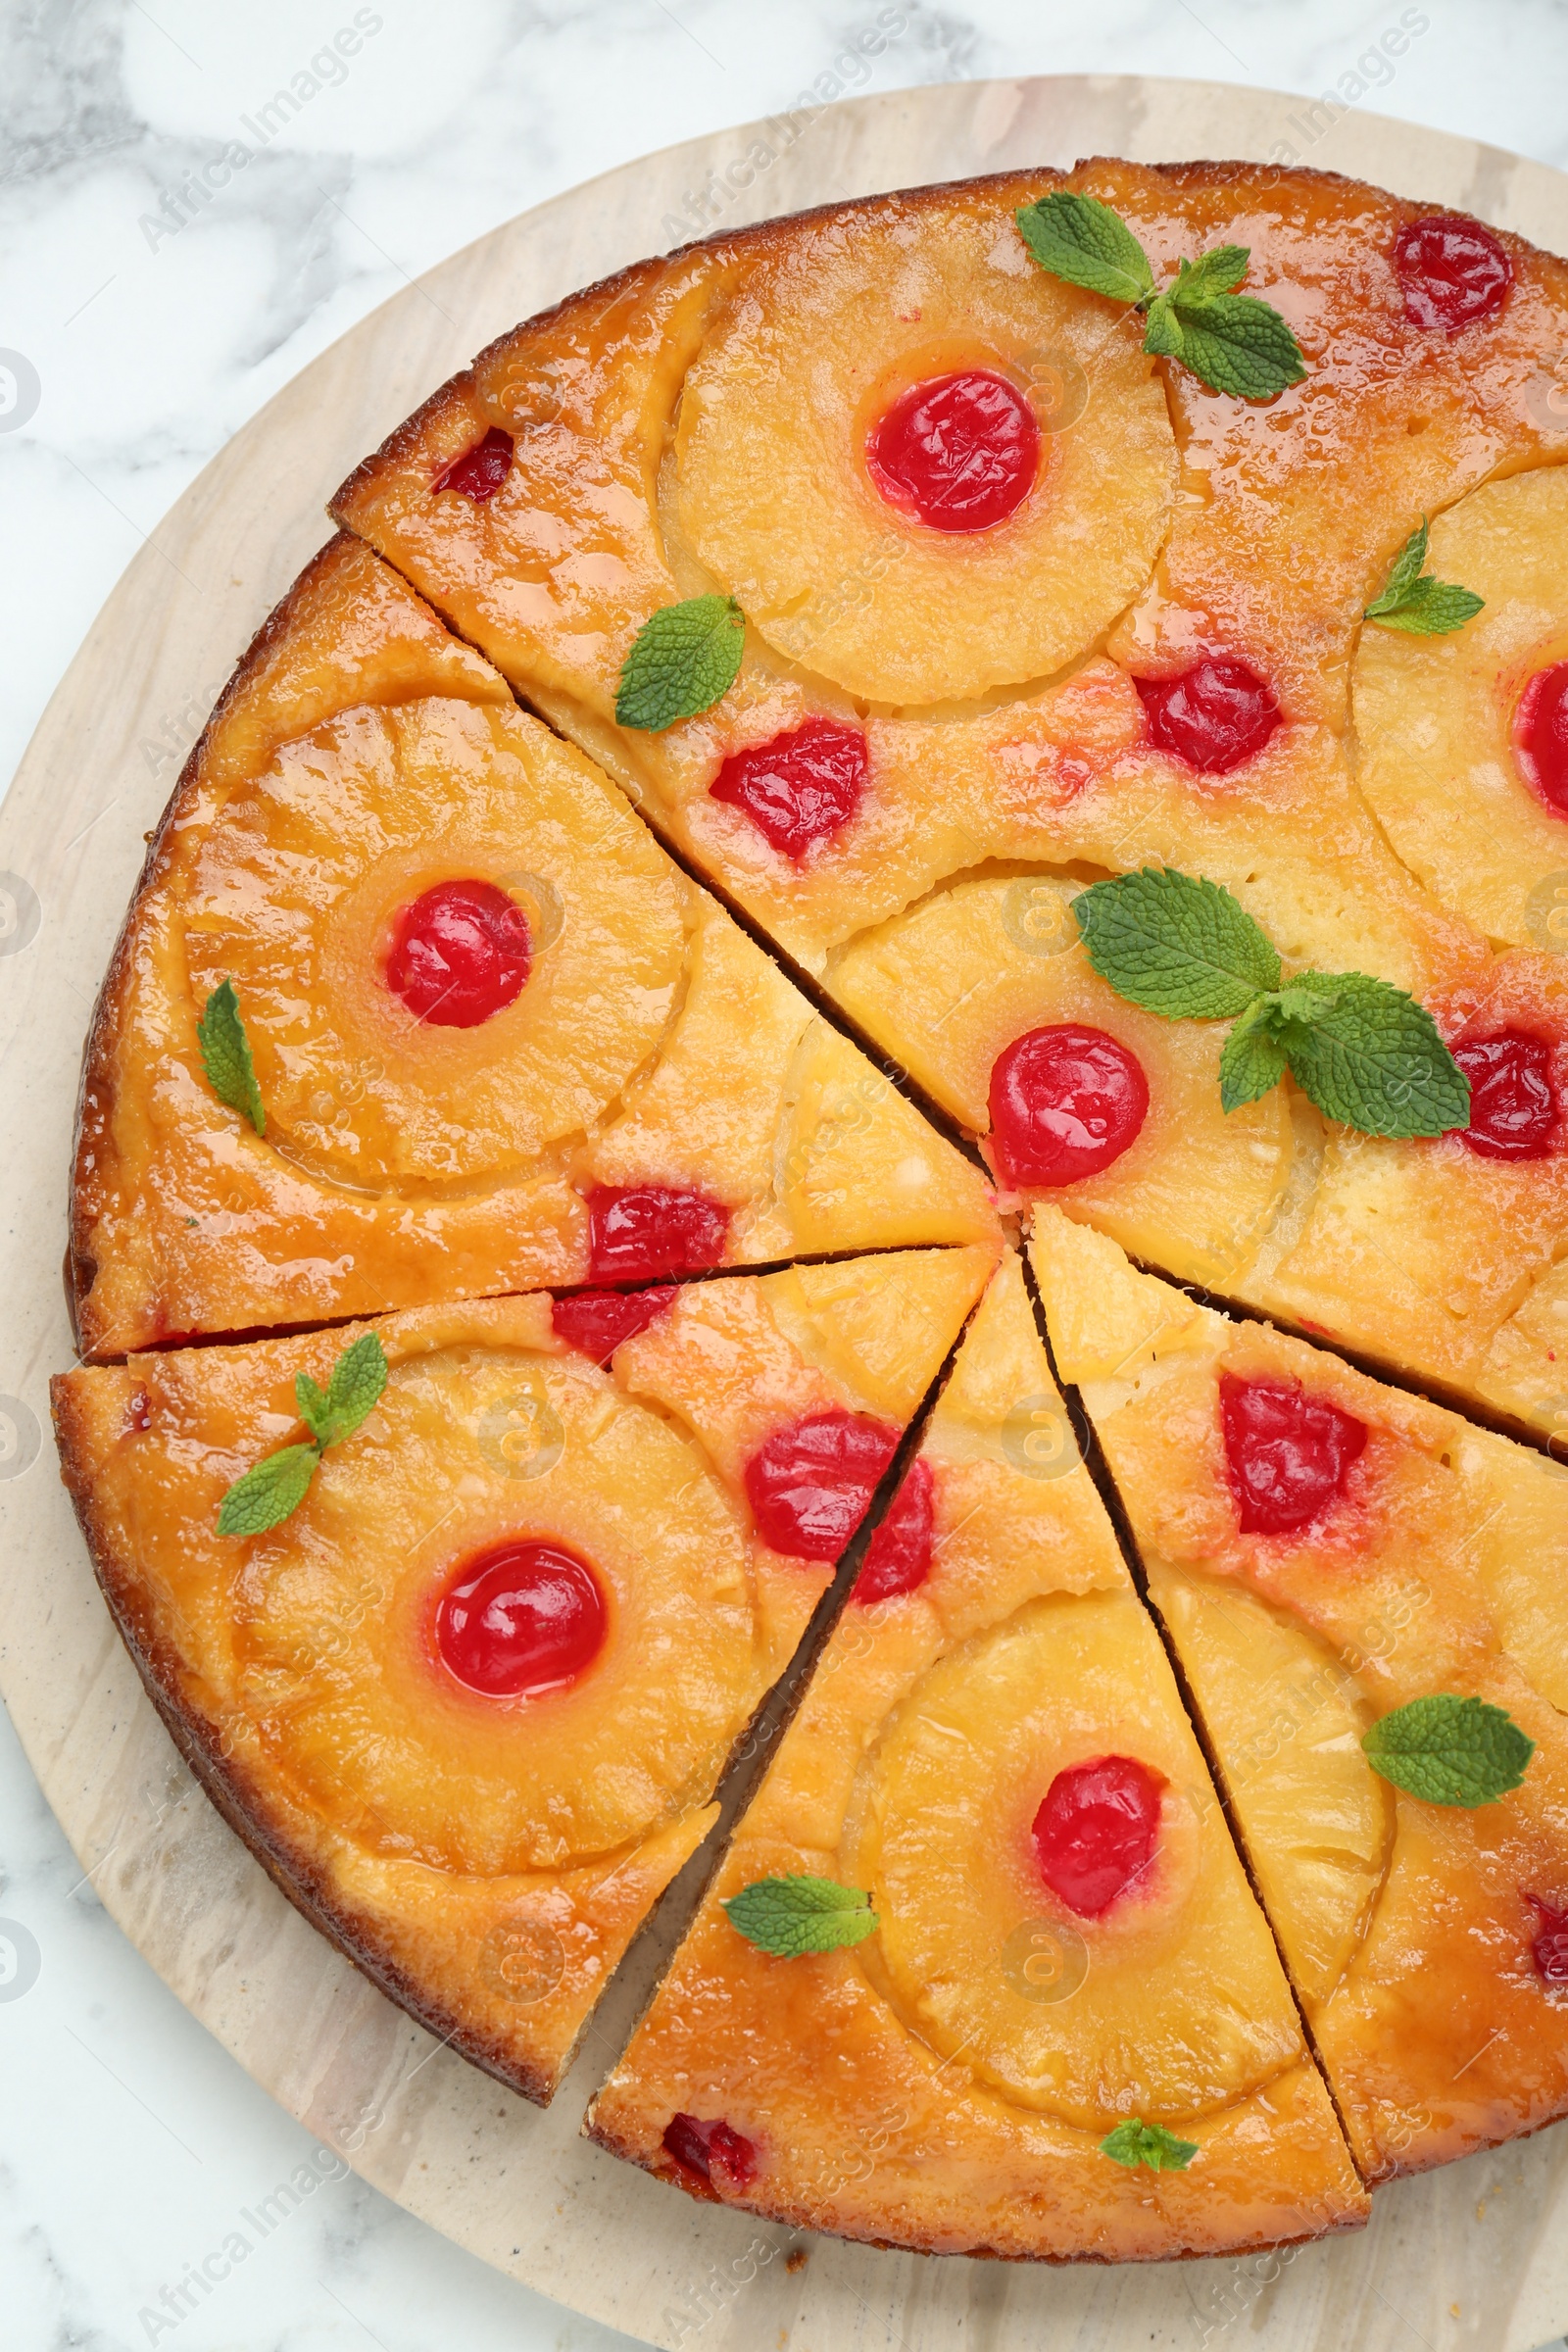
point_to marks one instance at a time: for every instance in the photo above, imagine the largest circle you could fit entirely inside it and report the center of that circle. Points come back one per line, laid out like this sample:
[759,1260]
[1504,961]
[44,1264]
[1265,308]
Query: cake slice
[992,1753]
[469,1701]
[410,1006]
[1325,1552]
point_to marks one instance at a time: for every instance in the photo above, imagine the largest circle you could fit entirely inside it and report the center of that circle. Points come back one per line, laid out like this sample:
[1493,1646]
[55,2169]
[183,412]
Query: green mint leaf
[1218,271]
[269,1491]
[1136,2143]
[1254,1060]
[682,661]
[1232,343]
[1304,1001]
[1163,334]
[1176,944]
[1373,1058]
[1420,605]
[1448,1750]
[795,1915]
[1408,565]
[227,1057]
[1082,240]
[354,1388]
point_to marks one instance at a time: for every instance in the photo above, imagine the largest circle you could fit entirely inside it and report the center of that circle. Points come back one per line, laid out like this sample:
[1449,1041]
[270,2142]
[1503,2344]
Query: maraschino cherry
[1213,715]
[811,1484]
[1287,1454]
[1065,1101]
[708,2148]
[461,953]
[897,1558]
[1453,271]
[481,470]
[1540,736]
[596,1322]
[522,1619]
[959,452]
[1514,1109]
[1095,1832]
[1550,1950]
[646,1232]
[801,786]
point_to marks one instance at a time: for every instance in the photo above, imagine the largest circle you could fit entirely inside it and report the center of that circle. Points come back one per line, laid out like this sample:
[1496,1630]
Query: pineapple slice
[604,1028]
[950,987]
[946,2084]
[811,360]
[486,1842]
[1324,1550]
[1443,722]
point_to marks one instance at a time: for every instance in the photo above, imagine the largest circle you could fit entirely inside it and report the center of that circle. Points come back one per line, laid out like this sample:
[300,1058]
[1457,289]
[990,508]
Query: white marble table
[137,331]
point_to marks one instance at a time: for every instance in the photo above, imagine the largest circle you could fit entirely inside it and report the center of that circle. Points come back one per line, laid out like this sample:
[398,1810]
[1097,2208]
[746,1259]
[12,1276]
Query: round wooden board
[1468,2256]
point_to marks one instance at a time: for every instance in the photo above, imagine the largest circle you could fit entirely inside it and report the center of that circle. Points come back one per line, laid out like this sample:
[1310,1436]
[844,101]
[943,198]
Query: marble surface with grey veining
[197,196]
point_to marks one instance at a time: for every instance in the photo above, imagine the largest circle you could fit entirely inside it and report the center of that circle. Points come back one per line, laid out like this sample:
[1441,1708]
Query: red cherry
[1213,715]
[707,2148]
[1550,1946]
[960,452]
[522,1619]
[1513,1099]
[811,1484]
[1452,271]
[1540,736]
[460,952]
[800,788]
[1287,1453]
[639,1232]
[1065,1103]
[1097,1831]
[595,1322]
[479,472]
[898,1558]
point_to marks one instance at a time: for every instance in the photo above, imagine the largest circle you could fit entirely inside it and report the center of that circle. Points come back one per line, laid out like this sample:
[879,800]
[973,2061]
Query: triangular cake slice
[469,1702]
[1325,1551]
[498,1040]
[992,1750]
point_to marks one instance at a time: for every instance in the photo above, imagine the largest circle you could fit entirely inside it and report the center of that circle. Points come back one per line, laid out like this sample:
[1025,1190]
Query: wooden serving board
[1476,2255]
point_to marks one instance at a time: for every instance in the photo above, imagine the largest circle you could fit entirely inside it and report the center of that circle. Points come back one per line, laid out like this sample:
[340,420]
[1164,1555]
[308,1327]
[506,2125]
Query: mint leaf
[1372,1058]
[1218,271]
[795,1915]
[681,662]
[1421,604]
[1254,1060]
[226,1056]
[354,1388]
[1175,944]
[1082,240]
[269,1491]
[1448,1750]
[1137,2143]
[1232,342]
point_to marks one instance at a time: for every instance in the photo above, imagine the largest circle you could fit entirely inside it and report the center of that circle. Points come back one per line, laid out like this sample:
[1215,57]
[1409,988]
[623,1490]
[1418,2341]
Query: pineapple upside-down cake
[1029,709]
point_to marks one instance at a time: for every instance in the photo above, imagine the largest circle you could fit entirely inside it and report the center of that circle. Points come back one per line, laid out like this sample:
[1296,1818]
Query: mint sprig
[276,1485]
[225,1052]
[1412,600]
[1363,1050]
[681,662]
[1231,342]
[1448,1750]
[793,1915]
[1137,2143]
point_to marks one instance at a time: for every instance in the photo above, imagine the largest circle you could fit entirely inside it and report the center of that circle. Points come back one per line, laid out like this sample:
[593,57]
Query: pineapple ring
[947,985]
[1434,716]
[1164,2020]
[335,1633]
[295,894]
[827,335]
